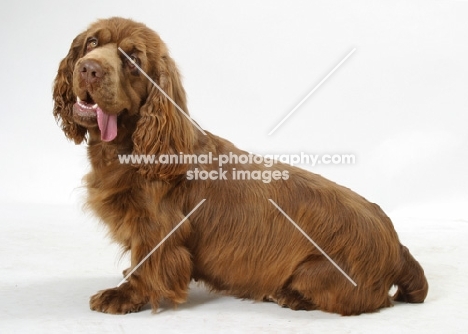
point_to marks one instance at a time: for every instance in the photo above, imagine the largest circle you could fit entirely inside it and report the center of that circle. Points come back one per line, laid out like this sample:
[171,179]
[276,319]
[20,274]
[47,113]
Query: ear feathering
[63,93]
[162,129]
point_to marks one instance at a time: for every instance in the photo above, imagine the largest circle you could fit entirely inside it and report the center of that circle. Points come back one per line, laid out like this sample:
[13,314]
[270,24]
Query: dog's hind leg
[318,284]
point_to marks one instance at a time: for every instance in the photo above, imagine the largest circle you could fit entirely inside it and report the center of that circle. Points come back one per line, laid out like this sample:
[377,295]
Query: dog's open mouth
[107,123]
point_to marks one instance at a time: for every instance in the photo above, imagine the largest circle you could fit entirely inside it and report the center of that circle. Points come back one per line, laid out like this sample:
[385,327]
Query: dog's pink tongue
[107,124]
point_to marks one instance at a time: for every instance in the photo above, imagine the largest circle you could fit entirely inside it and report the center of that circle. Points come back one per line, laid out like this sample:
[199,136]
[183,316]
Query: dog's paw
[119,300]
[290,299]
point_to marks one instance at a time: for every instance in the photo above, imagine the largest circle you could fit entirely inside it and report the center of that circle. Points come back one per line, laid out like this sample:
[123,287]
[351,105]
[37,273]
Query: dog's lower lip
[85,105]
[83,110]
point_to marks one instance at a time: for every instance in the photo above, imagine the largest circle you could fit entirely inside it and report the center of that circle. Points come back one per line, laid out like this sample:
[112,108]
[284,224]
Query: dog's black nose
[91,71]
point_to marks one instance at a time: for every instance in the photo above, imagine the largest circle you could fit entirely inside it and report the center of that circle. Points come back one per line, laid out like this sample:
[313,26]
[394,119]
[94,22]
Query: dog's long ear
[63,93]
[163,129]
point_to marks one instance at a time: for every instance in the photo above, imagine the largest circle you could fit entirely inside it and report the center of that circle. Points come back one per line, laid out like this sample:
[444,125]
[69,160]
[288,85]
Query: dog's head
[103,88]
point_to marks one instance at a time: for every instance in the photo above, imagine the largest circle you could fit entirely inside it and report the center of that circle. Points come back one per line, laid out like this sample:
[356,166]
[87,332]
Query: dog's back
[247,247]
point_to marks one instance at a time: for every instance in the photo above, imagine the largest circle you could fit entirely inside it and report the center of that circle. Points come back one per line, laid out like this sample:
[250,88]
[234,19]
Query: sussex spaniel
[237,242]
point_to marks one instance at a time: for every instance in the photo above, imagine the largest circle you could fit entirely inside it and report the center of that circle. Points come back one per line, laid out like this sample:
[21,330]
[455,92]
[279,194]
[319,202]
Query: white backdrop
[399,104]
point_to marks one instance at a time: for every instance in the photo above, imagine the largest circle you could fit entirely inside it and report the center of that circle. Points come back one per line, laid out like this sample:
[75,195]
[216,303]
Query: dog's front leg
[165,274]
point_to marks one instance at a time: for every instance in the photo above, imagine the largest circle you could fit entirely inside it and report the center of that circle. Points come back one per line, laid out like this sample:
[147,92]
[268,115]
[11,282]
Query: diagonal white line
[161,242]
[311,92]
[161,90]
[313,242]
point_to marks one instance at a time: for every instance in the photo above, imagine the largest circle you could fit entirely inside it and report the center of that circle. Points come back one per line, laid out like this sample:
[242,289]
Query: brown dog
[237,241]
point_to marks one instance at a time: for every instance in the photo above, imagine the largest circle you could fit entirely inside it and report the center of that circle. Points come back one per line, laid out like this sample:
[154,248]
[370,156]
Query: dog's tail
[411,282]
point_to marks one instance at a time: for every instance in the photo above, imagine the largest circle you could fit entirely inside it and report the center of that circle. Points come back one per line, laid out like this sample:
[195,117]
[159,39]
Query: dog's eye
[132,62]
[91,44]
